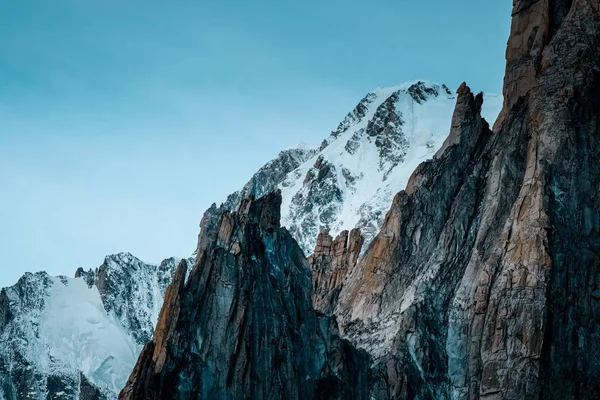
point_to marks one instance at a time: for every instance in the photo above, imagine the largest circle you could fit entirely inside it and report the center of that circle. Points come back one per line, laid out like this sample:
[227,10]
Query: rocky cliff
[345,182]
[243,326]
[483,281]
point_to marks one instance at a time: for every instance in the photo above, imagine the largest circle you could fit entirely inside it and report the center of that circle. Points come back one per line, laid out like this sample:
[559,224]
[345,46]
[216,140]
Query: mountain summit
[108,313]
[349,181]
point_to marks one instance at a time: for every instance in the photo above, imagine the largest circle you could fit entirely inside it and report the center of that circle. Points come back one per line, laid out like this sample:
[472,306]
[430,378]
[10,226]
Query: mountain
[243,326]
[68,338]
[346,182]
[349,181]
[482,283]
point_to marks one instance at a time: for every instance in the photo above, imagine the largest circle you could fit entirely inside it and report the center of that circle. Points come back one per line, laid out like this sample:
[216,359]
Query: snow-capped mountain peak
[350,179]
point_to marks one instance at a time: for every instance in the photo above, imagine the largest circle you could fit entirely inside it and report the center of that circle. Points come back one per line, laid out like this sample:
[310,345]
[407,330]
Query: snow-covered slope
[78,338]
[132,290]
[350,179]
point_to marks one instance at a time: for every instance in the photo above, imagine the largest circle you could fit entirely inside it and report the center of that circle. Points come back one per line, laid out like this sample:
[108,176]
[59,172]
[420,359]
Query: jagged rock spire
[243,325]
[482,283]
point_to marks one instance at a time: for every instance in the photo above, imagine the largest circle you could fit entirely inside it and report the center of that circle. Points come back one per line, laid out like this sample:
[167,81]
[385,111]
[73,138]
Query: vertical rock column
[330,263]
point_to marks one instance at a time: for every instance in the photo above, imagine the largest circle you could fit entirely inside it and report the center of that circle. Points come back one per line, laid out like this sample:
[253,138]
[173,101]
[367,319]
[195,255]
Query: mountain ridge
[127,293]
[349,180]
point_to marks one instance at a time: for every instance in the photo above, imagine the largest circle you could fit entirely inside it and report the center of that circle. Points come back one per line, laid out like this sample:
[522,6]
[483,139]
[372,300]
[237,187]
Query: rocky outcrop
[321,192]
[385,129]
[270,175]
[378,299]
[243,325]
[482,281]
[355,116]
[330,263]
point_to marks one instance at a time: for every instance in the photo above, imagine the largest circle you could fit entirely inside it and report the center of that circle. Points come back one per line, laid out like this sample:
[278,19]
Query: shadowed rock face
[349,181]
[243,325]
[484,279]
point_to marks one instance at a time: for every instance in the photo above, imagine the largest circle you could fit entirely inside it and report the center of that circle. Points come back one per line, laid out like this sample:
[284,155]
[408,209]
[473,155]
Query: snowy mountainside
[132,290]
[78,338]
[349,181]
[276,170]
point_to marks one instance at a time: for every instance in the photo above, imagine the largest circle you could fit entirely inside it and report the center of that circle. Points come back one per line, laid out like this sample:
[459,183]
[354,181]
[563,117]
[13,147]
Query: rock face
[330,263]
[68,338]
[243,325]
[483,281]
[350,179]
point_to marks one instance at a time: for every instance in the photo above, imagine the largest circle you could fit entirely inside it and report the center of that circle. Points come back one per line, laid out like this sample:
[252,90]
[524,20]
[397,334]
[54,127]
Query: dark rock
[356,115]
[87,390]
[420,92]
[269,176]
[386,130]
[243,325]
[317,205]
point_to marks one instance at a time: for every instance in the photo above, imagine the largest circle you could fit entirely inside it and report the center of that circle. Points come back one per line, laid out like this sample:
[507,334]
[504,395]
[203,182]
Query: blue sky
[122,121]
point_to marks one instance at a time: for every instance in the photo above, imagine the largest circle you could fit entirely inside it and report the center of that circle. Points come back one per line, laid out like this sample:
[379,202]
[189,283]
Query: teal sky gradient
[122,121]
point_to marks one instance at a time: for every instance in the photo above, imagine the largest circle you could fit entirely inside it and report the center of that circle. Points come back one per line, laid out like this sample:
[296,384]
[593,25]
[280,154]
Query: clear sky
[122,121]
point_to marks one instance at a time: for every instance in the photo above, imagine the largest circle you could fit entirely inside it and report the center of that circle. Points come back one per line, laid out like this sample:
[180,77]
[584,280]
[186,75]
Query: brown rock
[329,263]
[169,312]
[481,282]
